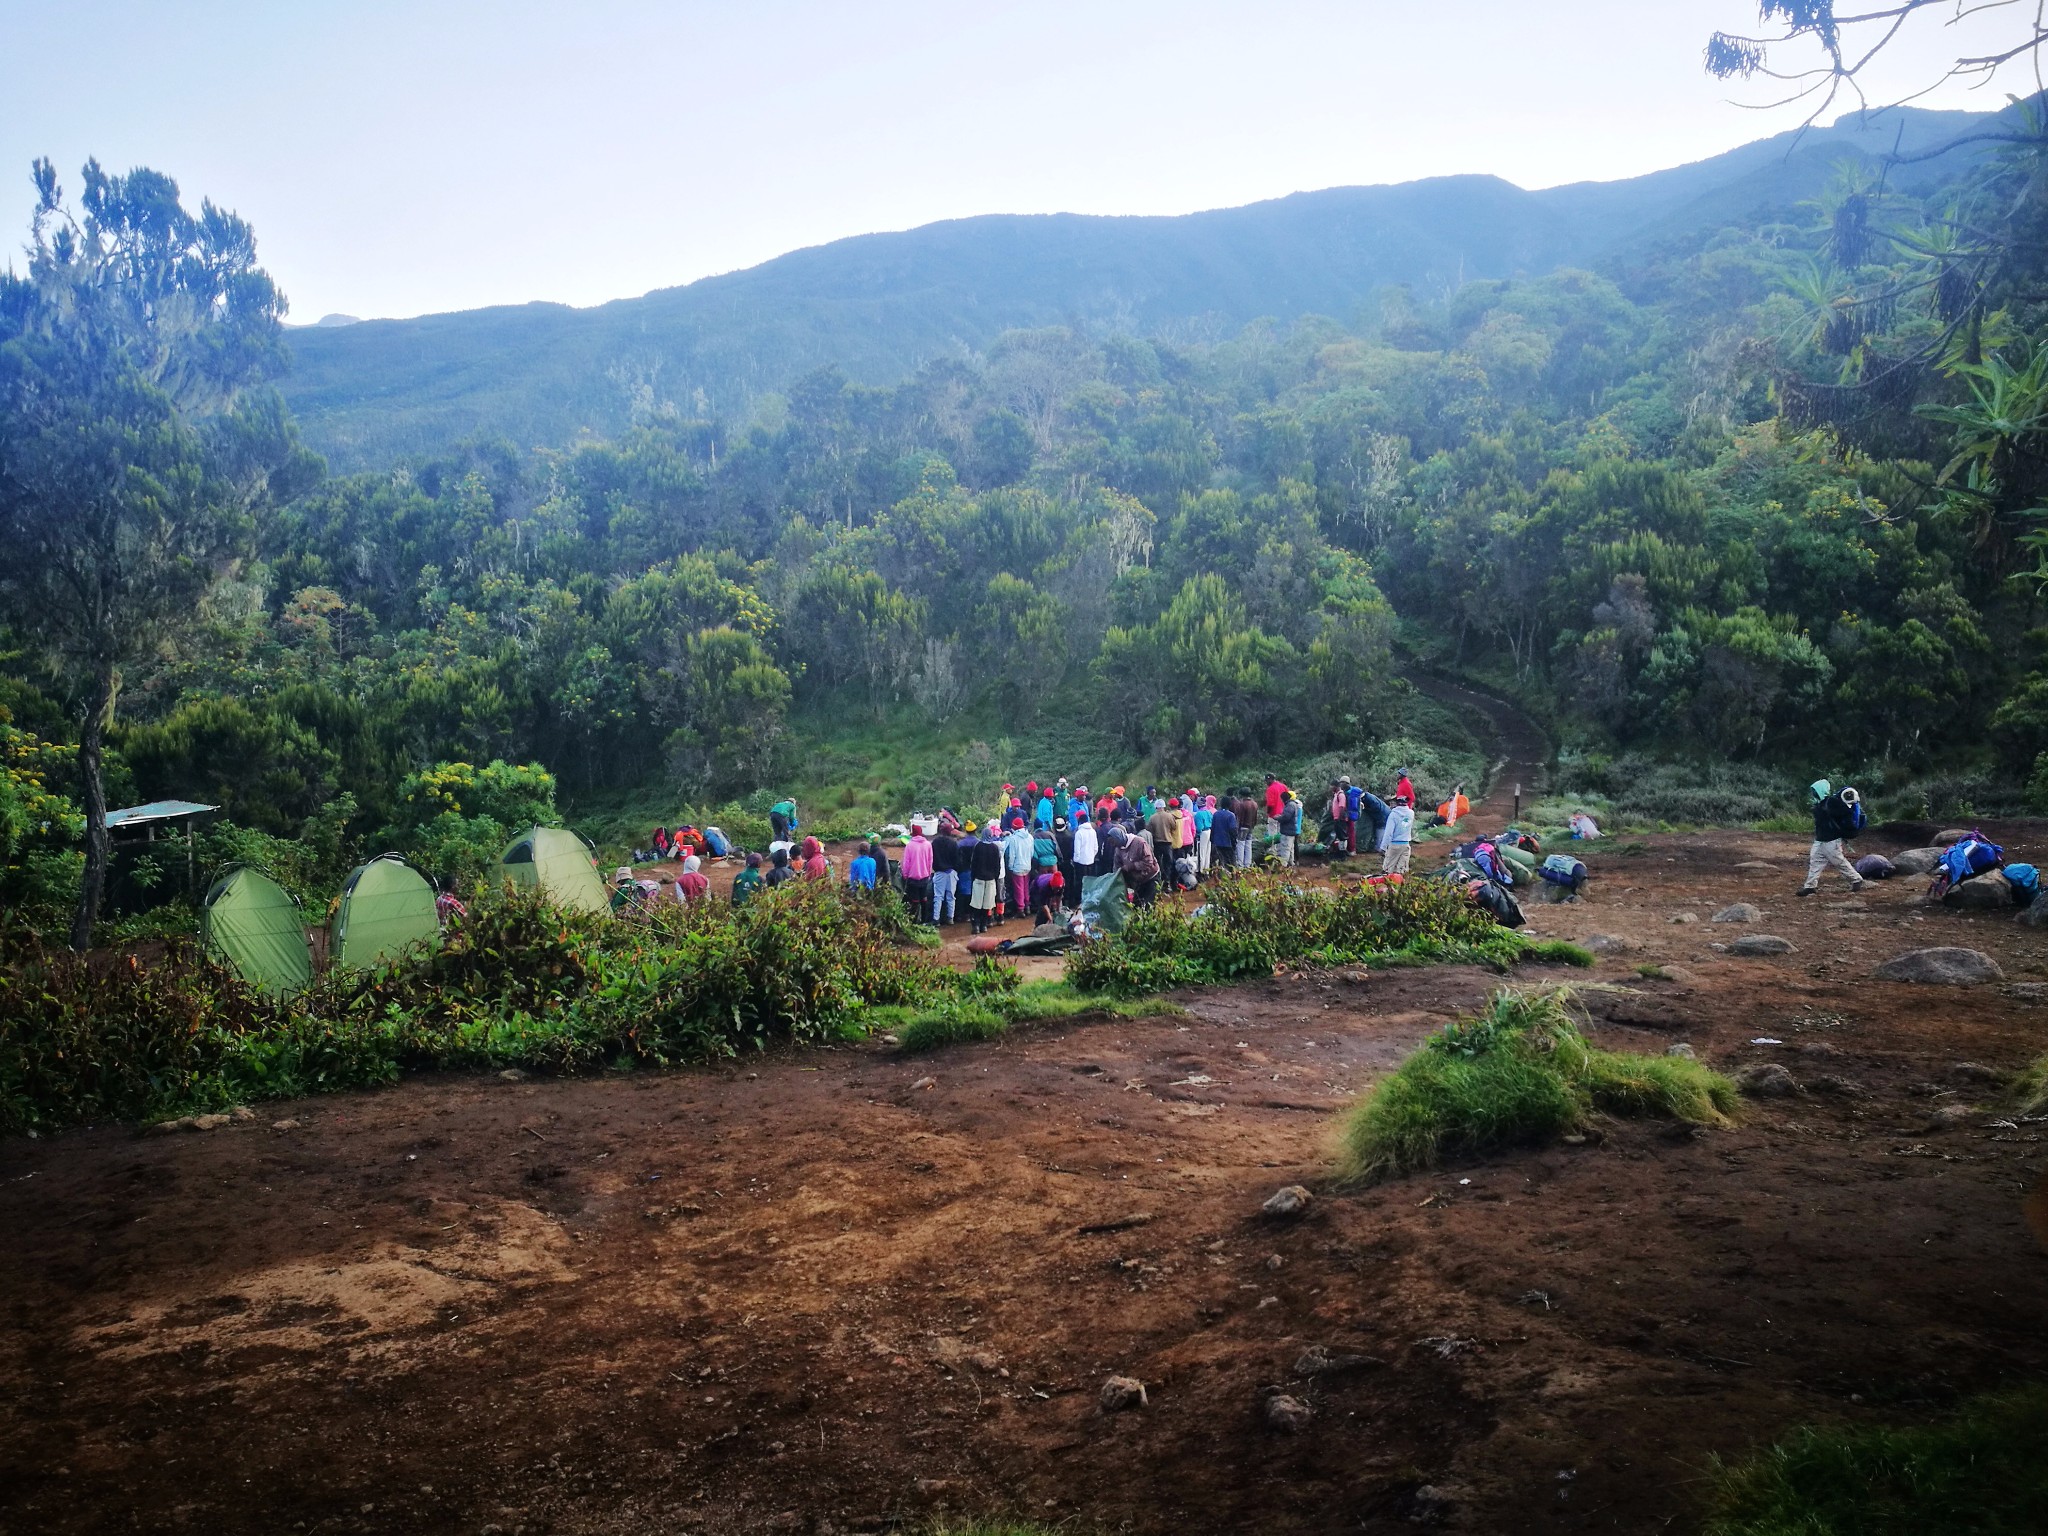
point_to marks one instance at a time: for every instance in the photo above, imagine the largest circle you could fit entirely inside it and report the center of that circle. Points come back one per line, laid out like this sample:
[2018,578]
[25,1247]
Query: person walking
[1837,816]
[1400,837]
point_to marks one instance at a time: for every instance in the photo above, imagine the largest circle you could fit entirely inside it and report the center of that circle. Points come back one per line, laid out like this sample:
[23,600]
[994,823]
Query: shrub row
[520,984]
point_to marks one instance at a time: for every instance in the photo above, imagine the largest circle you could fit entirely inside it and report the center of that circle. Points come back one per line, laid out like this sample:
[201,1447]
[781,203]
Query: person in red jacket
[1404,788]
[1276,801]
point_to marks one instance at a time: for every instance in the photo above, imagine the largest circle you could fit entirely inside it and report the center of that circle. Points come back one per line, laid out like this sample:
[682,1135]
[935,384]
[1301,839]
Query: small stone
[1317,1360]
[1819,1048]
[211,1122]
[2027,991]
[924,1082]
[1683,917]
[1287,1414]
[512,1075]
[242,1112]
[285,1125]
[1274,1261]
[1121,1392]
[1766,1080]
[1681,1049]
[1976,1072]
[1740,912]
[170,1127]
[1948,1116]
[1607,943]
[1291,1201]
[1837,1087]
[1573,1139]
[1761,945]
[1941,966]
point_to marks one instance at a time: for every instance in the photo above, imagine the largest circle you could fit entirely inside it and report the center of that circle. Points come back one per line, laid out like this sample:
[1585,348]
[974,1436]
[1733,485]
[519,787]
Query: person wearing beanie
[747,883]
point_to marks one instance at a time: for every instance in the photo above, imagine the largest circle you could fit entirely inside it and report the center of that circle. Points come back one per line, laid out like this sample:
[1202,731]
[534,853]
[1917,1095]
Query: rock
[1431,1503]
[168,1127]
[1976,1072]
[1289,1202]
[2035,914]
[2027,991]
[1916,861]
[211,1122]
[1988,892]
[923,1083]
[1740,912]
[242,1112]
[1756,945]
[1758,864]
[1682,1049]
[1607,944]
[1949,1116]
[1121,1392]
[1683,917]
[1316,1360]
[1941,966]
[1952,836]
[1766,1080]
[1678,975]
[1819,1048]
[1274,1261]
[512,1075]
[286,1125]
[1836,1087]
[1287,1414]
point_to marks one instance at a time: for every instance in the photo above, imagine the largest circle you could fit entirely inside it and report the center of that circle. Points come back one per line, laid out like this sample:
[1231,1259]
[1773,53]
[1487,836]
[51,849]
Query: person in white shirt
[1400,838]
[1085,848]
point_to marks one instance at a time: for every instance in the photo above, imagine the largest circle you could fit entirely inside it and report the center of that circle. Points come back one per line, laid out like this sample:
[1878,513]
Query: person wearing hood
[692,884]
[1018,849]
[815,866]
[860,873]
[945,870]
[779,870]
[1836,817]
[919,862]
[747,883]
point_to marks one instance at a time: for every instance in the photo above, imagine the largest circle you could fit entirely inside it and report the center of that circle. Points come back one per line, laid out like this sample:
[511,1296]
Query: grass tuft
[989,1013]
[2031,1089]
[1520,1072]
[1982,1470]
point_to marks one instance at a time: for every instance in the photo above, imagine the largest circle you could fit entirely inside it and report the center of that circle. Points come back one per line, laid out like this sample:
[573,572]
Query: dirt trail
[832,1291]
[1517,750]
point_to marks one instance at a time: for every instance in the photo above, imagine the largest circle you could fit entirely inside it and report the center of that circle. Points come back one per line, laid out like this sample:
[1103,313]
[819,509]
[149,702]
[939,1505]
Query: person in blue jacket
[861,872]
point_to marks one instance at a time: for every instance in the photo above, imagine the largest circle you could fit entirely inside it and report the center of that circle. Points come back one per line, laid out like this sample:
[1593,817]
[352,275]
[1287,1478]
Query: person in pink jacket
[917,870]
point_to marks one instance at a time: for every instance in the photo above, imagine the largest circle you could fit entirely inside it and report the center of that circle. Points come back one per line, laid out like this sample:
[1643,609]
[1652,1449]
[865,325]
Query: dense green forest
[1763,493]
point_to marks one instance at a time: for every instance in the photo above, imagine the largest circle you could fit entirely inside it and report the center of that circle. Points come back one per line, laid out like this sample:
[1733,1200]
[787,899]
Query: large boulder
[1766,1080]
[1757,945]
[1942,966]
[2036,914]
[1952,835]
[1916,861]
[1988,892]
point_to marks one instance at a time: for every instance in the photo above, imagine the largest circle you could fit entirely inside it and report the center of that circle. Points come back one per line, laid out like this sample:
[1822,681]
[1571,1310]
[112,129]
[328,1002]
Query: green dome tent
[252,923]
[385,906]
[558,864]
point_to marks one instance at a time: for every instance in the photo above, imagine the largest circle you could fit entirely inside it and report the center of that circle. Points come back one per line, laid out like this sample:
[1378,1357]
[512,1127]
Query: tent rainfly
[386,906]
[558,864]
[252,923]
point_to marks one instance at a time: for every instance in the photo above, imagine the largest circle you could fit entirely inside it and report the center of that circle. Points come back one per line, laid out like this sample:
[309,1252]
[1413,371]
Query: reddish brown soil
[820,1292]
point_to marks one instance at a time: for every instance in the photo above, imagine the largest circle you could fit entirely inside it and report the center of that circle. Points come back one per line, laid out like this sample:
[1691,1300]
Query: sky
[407,158]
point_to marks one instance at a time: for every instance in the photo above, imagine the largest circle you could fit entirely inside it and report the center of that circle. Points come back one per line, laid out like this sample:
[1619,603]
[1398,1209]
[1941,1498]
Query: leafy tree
[132,445]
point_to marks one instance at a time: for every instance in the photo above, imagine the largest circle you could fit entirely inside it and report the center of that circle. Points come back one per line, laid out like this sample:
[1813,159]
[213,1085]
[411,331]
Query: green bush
[1256,920]
[1519,1072]
[518,984]
[1644,791]
[1983,1471]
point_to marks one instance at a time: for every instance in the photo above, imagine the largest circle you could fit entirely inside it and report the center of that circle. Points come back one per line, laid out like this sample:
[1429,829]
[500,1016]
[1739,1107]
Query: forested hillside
[1756,492]
[879,306]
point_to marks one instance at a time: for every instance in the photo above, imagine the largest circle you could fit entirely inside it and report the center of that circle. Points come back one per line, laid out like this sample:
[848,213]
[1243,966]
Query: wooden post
[1518,802]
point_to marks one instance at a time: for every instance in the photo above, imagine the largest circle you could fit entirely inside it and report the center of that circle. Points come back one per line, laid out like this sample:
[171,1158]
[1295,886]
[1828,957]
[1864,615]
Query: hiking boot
[1807,890]
[1859,887]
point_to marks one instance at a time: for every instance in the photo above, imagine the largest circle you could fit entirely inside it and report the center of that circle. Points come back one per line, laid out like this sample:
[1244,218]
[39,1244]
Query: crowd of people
[1032,855]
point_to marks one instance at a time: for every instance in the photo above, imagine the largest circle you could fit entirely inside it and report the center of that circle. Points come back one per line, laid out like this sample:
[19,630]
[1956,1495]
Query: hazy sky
[402,158]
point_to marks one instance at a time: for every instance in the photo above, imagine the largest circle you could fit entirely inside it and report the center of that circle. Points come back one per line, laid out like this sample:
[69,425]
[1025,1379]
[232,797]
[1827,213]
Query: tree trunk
[97,851]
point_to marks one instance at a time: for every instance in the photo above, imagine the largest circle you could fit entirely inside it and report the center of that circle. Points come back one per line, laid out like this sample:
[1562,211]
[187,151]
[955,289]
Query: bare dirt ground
[839,1290]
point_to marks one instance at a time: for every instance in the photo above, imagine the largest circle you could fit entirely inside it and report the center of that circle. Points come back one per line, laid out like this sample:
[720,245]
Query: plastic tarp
[558,864]
[1102,901]
[252,923]
[386,906]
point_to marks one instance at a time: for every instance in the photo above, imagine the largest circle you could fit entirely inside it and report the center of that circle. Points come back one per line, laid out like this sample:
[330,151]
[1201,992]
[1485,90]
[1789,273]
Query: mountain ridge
[879,305]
